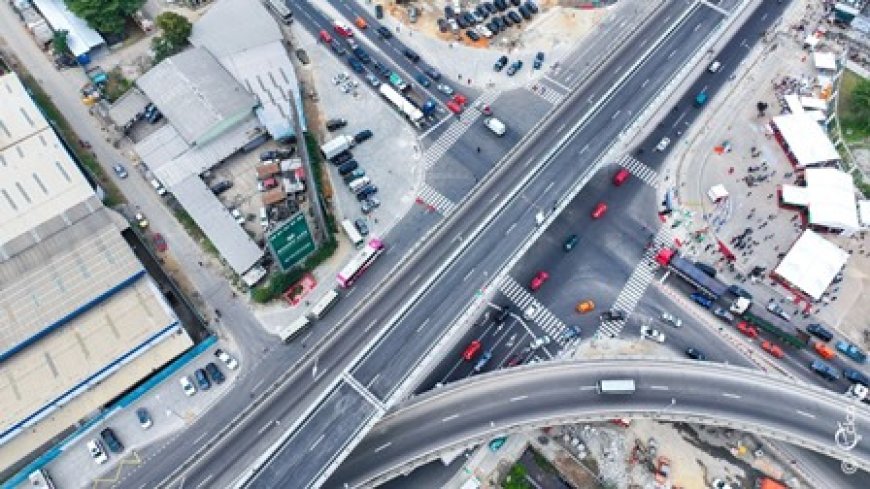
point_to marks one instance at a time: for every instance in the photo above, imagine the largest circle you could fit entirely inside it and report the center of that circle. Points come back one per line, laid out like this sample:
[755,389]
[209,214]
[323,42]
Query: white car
[237,215]
[187,386]
[95,447]
[228,360]
[674,321]
[715,66]
[530,312]
[652,334]
[663,144]
[539,342]
[444,88]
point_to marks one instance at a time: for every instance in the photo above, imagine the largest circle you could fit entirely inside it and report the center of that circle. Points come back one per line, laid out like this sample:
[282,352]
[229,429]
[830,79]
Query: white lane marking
[583,149]
[369,385]
[673,53]
[763,17]
[616,114]
[448,418]
[519,398]
[561,128]
[256,386]
[491,200]
[316,442]
[645,83]
[588,387]
[549,186]
[205,481]
[804,413]
[659,387]
[467,275]
[698,27]
[415,279]
[264,428]
[196,442]
[423,325]
[385,445]
[370,326]
[732,396]
[510,228]
[349,292]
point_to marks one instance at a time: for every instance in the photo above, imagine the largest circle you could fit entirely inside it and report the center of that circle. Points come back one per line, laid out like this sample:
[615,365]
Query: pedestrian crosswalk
[640,170]
[456,129]
[430,197]
[519,295]
[546,92]
[636,286]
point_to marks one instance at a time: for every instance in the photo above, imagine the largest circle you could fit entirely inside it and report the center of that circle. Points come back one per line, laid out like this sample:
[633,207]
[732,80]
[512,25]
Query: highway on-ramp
[476,410]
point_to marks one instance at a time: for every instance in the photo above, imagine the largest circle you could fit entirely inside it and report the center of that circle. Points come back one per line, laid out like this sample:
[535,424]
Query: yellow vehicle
[585,306]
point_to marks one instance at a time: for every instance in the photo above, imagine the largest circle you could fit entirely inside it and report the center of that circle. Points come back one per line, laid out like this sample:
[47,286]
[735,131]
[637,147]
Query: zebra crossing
[640,170]
[546,92]
[432,198]
[636,286]
[552,326]
[456,129]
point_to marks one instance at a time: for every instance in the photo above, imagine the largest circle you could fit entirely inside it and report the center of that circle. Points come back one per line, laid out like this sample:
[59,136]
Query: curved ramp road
[474,411]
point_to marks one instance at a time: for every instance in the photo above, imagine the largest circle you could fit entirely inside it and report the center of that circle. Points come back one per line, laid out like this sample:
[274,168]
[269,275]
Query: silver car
[444,88]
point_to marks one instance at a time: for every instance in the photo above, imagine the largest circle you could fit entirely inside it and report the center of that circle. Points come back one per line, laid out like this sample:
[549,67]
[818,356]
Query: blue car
[851,351]
[702,299]
[355,65]
[483,361]
[423,80]
[572,332]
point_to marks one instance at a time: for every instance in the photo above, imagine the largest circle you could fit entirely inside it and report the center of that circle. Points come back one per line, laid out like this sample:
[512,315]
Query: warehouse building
[81,321]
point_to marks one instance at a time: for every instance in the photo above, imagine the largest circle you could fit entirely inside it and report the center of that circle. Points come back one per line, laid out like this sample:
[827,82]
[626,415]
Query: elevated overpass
[476,410]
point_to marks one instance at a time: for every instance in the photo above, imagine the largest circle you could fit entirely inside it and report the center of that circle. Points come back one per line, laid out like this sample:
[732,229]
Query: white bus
[360,263]
[352,234]
[281,10]
[294,329]
[620,386]
[324,305]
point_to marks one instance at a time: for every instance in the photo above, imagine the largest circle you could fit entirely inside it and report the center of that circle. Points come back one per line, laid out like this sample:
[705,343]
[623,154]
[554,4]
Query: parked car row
[356,179]
[479,24]
[208,375]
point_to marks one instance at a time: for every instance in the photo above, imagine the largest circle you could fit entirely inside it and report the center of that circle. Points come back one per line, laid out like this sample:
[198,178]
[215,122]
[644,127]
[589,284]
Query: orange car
[824,350]
[773,349]
[585,306]
[361,23]
[747,329]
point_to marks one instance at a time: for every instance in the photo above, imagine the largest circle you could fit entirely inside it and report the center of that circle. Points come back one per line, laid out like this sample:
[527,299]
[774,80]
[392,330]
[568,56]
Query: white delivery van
[495,125]
[358,184]
[619,386]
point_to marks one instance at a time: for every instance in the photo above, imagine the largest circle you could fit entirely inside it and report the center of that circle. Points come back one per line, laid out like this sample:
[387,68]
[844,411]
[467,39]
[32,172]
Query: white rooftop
[38,180]
[806,140]
[812,263]
[825,61]
[829,196]
[864,212]
[81,37]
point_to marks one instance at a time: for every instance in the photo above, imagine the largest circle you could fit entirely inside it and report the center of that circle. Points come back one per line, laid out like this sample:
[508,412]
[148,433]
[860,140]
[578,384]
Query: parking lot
[169,409]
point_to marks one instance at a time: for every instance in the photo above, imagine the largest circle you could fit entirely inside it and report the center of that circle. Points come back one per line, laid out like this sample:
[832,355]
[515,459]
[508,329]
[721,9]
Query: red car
[747,329]
[460,99]
[599,210]
[774,350]
[343,29]
[539,280]
[454,107]
[620,177]
[325,37]
[159,242]
[471,350]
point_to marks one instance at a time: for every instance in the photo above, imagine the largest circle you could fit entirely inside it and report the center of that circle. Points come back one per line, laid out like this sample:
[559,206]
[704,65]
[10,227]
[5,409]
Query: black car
[501,5]
[433,74]
[707,269]
[365,192]
[221,187]
[489,7]
[500,63]
[337,47]
[695,354]
[492,26]
[499,19]
[739,292]
[202,379]
[516,3]
[539,60]
[820,332]
[532,7]
[856,377]
[111,440]
[514,67]
[443,26]
[460,20]
[472,35]
[448,12]
[341,158]
[379,11]
[361,226]
[524,12]
[268,155]
[381,69]
[481,12]
[348,167]
[361,54]
[215,373]
[507,21]
[355,65]
[384,32]
[514,16]
[335,124]
[613,315]
[469,19]
[411,55]
[363,135]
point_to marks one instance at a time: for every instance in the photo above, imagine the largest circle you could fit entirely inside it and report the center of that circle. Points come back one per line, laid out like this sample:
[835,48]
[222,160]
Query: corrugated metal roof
[81,38]
[232,26]
[196,94]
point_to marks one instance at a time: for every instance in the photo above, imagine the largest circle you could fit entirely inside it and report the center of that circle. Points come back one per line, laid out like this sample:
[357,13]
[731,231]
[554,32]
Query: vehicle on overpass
[617,386]
[360,263]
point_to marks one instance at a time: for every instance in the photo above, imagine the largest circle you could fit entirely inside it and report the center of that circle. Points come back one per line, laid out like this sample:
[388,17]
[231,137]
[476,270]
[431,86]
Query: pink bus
[360,262]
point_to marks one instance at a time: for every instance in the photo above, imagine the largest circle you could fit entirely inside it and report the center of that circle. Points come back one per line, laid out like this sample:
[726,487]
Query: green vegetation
[279,282]
[543,463]
[176,30]
[116,85]
[316,160]
[91,165]
[516,478]
[854,108]
[107,16]
[194,231]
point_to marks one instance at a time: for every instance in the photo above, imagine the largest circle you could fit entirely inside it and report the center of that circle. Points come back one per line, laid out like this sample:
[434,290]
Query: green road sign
[291,242]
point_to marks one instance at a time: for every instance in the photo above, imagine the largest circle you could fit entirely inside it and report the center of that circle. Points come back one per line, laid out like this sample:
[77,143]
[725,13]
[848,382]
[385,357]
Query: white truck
[336,146]
[616,386]
[495,125]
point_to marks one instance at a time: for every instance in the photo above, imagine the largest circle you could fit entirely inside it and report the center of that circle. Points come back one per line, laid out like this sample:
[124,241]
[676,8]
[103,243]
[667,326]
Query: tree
[162,48]
[60,43]
[176,28]
[108,16]
[861,101]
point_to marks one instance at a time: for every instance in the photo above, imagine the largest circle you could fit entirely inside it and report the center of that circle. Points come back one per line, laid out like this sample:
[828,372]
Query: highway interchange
[342,410]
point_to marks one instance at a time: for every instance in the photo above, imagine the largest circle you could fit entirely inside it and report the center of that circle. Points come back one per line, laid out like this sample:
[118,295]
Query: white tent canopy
[806,140]
[829,196]
[717,193]
[825,61]
[811,264]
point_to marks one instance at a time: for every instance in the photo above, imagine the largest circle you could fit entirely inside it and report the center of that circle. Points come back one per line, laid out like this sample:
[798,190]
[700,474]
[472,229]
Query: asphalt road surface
[485,407]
